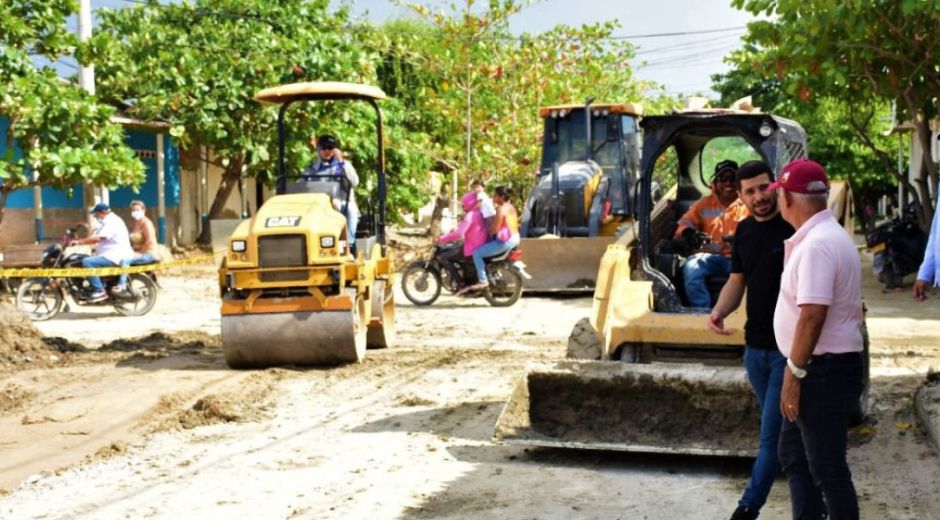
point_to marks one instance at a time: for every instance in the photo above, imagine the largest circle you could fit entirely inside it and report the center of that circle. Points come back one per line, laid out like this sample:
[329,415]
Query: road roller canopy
[319,90]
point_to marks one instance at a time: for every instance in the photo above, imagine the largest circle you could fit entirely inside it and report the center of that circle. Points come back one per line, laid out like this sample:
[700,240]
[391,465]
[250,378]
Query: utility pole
[86,80]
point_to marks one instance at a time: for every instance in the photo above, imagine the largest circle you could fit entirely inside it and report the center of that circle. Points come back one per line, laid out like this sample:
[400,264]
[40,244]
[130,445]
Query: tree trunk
[928,170]
[4,193]
[229,182]
[440,203]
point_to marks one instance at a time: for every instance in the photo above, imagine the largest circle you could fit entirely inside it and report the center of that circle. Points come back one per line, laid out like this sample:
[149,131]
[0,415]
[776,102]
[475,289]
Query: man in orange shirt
[717,216]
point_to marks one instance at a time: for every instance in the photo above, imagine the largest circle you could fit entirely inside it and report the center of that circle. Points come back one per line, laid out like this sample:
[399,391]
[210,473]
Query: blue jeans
[97,261]
[697,268]
[812,450]
[491,248]
[143,258]
[765,373]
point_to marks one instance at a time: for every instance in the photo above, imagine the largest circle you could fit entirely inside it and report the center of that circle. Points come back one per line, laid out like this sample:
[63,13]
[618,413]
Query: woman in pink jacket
[472,228]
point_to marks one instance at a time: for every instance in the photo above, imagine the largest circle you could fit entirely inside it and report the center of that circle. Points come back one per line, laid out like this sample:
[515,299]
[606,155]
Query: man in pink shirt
[817,323]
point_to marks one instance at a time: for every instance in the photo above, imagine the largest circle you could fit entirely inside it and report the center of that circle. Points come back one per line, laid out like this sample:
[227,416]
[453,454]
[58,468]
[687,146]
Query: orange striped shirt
[708,215]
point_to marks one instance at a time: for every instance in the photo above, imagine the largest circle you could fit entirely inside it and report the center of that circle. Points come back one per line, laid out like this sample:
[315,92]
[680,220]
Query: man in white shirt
[112,246]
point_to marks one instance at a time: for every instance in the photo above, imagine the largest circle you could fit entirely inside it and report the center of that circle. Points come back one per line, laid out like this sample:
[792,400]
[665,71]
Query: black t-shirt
[757,253]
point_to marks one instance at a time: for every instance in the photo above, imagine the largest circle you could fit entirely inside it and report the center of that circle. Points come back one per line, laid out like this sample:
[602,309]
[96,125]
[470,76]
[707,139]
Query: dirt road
[160,428]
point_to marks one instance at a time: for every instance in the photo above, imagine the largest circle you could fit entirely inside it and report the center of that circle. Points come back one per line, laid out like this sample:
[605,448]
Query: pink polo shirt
[821,266]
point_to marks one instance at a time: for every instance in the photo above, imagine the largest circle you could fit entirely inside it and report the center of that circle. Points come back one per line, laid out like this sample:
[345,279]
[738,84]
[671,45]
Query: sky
[682,63]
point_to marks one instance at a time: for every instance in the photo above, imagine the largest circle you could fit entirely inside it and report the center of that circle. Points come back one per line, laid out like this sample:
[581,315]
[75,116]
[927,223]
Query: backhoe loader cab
[292,291]
[582,192]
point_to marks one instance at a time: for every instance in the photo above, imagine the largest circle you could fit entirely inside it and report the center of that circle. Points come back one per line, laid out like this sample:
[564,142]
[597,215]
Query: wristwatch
[797,372]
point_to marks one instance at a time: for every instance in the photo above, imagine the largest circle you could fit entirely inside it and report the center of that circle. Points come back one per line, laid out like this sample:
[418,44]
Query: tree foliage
[848,138]
[64,133]
[860,52]
[199,64]
[477,87]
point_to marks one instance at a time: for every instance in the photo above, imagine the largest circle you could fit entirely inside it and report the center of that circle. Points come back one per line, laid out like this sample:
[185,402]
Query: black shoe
[744,513]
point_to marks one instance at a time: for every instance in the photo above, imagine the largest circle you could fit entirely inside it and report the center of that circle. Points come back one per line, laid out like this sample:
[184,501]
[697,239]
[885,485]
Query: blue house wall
[144,143]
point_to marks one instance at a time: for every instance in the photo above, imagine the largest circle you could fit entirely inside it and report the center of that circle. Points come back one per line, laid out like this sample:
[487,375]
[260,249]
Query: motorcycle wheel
[38,299]
[422,286]
[141,297]
[505,285]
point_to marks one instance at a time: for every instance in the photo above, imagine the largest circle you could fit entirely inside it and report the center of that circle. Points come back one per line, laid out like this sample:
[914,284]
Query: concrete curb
[927,408]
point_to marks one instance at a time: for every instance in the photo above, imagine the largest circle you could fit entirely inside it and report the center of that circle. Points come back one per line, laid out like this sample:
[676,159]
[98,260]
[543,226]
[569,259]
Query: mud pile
[20,342]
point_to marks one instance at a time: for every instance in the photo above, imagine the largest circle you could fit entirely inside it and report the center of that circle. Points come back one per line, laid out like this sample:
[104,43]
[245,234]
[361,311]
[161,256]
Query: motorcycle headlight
[327,242]
[239,246]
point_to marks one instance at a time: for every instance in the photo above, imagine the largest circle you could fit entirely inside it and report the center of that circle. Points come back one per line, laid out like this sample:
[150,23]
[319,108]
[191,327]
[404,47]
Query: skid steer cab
[644,366]
[297,287]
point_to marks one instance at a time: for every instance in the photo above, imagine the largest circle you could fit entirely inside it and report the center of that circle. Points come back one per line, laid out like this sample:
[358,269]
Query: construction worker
[330,162]
[756,266]
[716,216]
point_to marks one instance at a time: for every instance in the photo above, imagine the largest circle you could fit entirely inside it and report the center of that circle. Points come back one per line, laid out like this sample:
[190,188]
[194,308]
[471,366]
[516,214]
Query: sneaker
[744,513]
[96,296]
[478,286]
[119,289]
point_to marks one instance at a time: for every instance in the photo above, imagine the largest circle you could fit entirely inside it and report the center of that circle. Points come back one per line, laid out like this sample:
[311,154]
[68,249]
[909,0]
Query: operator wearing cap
[818,327]
[716,215]
[112,246]
[330,162]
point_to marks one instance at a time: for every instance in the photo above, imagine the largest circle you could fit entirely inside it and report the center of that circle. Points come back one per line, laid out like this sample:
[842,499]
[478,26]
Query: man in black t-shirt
[756,267]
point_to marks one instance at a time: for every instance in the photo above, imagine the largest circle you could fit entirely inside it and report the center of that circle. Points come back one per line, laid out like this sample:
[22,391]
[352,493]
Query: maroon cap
[802,176]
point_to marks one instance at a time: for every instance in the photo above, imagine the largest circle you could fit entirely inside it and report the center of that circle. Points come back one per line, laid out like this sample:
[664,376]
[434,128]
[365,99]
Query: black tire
[505,285]
[38,299]
[142,296]
[583,342]
[422,286]
[860,411]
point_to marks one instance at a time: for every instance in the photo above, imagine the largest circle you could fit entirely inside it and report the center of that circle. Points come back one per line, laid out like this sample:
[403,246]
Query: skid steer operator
[717,216]
[330,162]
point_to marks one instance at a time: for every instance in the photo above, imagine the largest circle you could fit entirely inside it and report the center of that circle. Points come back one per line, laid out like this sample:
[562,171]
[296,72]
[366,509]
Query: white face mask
[137,214]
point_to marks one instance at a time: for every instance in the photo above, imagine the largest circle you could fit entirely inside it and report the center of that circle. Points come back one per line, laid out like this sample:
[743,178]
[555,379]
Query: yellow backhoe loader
[581,197]
[646,374]
[292,292]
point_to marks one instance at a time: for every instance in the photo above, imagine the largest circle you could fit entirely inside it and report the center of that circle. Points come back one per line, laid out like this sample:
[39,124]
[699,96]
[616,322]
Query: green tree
[848,138]
[64,133]
[860,52]
[199,64]
[484,85]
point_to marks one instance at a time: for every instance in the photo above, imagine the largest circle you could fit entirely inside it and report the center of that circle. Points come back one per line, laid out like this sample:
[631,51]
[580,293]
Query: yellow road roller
[293,292]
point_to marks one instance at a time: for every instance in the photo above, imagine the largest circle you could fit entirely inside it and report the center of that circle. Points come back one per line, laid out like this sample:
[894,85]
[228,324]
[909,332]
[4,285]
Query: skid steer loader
[292,292]
[652,377]
[581,197]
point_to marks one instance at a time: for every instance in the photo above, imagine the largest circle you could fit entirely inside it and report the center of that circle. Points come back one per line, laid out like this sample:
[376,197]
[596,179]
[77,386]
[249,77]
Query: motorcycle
[42,298]
[422,281]
[898,247]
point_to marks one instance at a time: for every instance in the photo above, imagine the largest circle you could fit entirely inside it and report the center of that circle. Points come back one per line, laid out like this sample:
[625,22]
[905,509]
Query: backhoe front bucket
[654,408]
[563,264]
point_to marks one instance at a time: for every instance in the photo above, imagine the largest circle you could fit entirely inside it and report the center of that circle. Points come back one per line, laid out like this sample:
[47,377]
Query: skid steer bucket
[654,408]
[563,264]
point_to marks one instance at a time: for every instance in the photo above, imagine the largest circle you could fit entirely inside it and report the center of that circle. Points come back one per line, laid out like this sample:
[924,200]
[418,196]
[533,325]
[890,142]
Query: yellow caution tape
[81,272]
